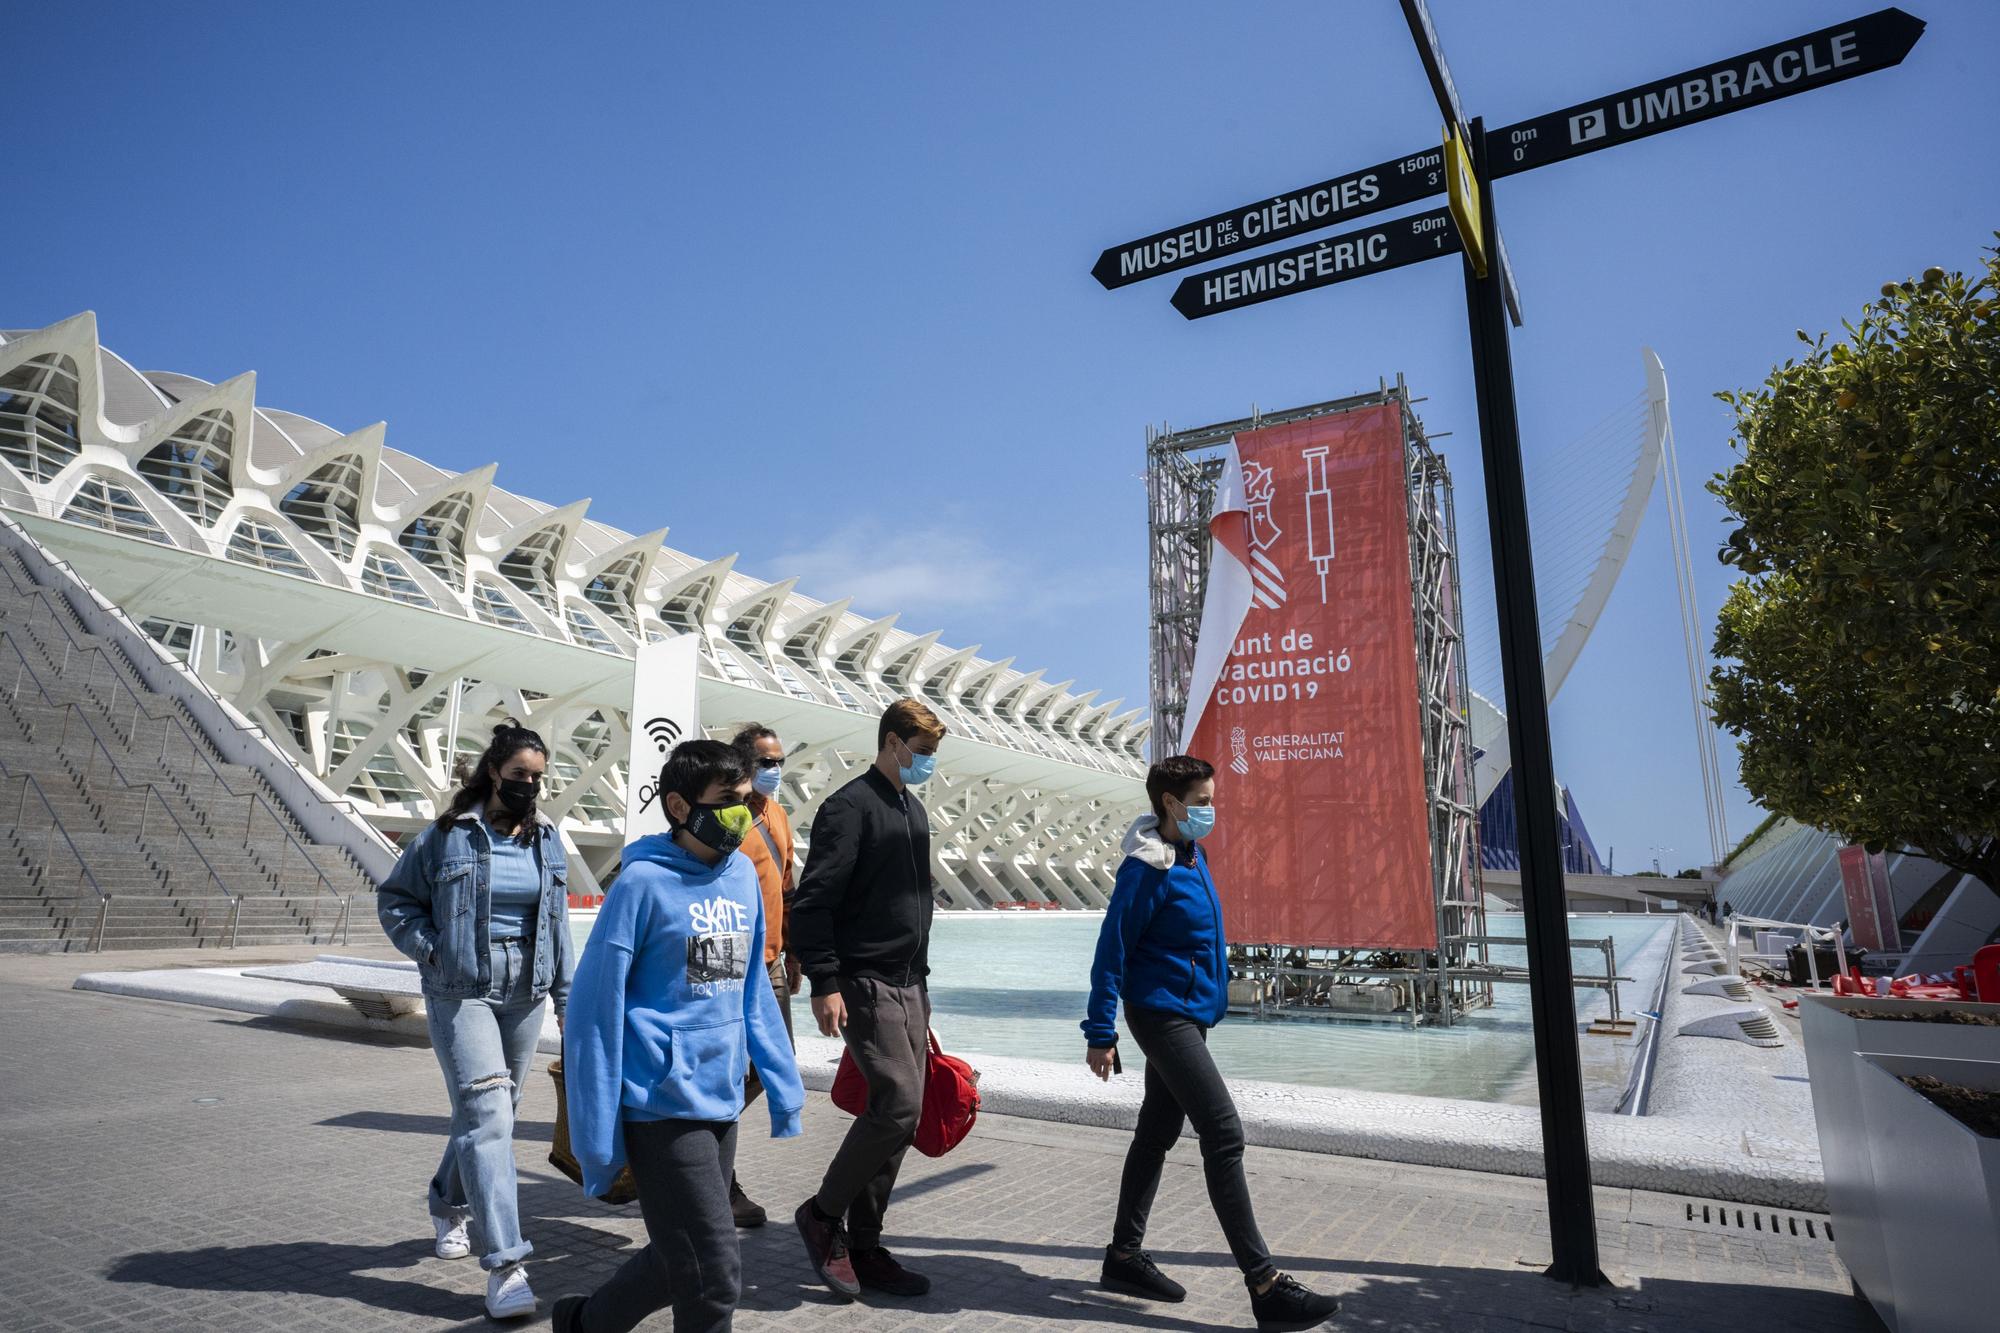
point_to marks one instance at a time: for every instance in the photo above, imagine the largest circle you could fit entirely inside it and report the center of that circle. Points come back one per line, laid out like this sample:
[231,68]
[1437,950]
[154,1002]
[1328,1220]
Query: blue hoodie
[1161,946]
[661,1025]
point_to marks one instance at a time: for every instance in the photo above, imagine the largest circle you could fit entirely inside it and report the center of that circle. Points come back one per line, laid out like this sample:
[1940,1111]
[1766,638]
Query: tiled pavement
[170,1167]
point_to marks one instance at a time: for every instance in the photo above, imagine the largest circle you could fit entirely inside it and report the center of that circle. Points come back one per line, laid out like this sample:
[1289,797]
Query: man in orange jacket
[770,849]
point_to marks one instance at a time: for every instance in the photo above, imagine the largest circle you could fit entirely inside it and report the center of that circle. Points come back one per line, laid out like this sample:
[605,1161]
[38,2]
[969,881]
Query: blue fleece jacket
[1161,946]
[670,1003]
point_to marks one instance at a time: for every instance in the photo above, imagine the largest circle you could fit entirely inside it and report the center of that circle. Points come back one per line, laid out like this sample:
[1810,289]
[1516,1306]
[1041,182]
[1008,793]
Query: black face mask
[518,797]
[721,827]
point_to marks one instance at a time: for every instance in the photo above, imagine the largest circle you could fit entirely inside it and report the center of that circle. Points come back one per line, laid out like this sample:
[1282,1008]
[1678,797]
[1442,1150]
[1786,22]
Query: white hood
[1143,840]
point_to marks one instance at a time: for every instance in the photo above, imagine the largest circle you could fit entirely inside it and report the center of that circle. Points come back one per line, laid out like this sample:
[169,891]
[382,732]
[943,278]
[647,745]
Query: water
[1017,984]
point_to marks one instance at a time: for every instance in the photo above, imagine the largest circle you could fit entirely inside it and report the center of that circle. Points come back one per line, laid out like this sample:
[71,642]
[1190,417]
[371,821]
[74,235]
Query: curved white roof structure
[372,610]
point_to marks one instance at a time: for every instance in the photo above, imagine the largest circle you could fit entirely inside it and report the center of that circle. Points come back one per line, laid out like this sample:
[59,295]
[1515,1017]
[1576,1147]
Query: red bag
[951,1098]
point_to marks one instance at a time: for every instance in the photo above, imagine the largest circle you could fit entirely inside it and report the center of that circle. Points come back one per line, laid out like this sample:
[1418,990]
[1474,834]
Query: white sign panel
[666,710]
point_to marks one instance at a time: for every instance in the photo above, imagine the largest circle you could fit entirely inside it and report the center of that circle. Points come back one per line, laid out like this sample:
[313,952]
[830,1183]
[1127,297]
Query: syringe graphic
[1319,514]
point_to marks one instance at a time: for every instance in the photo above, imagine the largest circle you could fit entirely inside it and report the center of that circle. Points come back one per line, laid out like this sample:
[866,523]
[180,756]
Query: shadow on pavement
[431,1126]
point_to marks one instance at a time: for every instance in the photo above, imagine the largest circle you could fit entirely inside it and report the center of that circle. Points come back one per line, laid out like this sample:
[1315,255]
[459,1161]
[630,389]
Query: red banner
[1871,908]
[1322,836]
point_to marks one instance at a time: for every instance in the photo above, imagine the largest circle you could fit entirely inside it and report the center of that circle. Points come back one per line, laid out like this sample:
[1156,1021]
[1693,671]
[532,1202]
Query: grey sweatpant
[888,1033]
[691,1260]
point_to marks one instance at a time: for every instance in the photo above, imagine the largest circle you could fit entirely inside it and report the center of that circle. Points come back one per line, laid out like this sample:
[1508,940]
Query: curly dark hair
[475,777]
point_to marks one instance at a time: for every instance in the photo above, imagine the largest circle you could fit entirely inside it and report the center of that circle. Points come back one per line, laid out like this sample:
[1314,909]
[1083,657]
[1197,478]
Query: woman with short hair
[1161,949]
[480,900]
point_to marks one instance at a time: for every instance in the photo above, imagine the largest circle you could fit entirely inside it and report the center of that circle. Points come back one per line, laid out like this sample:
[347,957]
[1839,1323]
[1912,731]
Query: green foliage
[1862,647]
[1754,834]
[1692,872]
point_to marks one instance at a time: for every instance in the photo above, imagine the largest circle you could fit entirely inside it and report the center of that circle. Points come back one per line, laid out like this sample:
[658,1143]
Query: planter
[1837,1029]
[1937,1197]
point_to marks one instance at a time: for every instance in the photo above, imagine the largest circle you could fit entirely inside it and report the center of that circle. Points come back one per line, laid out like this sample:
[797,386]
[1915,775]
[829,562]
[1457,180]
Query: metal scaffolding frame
[1183,470]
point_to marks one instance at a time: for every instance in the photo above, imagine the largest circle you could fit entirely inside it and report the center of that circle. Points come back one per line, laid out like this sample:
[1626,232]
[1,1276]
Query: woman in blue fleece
[661,1029]
[1161,949]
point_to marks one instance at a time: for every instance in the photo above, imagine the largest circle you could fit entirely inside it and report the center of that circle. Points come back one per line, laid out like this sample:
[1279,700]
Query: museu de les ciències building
[376,614]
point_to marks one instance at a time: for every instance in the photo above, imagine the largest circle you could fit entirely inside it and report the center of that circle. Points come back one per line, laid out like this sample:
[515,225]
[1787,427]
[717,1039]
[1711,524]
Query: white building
[376,614]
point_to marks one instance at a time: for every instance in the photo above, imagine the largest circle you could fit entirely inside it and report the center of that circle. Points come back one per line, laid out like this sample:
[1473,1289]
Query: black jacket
[864,906]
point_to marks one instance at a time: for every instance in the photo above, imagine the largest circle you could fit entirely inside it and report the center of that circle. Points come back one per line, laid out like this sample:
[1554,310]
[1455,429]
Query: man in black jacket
[861,927]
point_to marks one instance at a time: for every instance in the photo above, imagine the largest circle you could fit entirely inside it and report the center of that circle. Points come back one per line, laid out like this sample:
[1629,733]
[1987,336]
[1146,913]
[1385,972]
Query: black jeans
[691,1261]
[1183,1084]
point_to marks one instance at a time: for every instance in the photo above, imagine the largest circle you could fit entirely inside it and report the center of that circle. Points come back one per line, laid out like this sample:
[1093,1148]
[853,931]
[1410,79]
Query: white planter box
[1937,1197]
[1837,1029]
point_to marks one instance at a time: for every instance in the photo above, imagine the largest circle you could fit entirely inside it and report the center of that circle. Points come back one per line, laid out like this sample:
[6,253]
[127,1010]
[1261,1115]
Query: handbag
[623,1190]
[951,1098]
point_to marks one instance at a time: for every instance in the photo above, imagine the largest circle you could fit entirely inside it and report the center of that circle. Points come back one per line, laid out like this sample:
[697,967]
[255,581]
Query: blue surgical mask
[917,770]
[766,781]
[1200,822]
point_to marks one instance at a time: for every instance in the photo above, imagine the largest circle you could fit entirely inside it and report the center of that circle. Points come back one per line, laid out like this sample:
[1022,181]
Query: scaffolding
[1275,979]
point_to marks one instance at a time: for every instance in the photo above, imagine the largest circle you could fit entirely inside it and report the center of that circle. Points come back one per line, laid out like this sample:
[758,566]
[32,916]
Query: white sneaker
[508,1295]
[452,1241]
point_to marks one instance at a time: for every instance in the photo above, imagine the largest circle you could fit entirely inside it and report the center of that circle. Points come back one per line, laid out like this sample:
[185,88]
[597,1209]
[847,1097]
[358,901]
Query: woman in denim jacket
[481,900]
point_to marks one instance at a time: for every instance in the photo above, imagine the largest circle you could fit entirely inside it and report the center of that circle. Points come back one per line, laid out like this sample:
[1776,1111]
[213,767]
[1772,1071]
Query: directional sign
[1431,52]
[1389,185]
[1356,254]
[1813,61]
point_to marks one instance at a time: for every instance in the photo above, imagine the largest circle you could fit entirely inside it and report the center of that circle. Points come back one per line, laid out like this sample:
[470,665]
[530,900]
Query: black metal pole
[1558,1070]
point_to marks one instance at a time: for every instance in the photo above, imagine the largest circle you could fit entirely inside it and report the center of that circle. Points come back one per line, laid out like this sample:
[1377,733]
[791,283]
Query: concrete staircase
[120,824]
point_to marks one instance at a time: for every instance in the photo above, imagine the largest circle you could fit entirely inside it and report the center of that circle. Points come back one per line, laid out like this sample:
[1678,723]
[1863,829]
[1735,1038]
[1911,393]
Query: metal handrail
[187,673]
[55,827]
[139,708]
[255,798]
[196,745]
[179,828]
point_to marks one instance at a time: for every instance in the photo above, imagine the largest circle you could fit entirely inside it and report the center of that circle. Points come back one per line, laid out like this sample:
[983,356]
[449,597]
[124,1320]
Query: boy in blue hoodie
[661,1030]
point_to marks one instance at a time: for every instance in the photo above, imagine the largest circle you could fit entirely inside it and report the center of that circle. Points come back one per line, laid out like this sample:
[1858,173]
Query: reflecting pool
[1005,983]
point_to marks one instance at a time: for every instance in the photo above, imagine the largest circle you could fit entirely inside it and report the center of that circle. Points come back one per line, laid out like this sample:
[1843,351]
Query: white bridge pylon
[1488,719]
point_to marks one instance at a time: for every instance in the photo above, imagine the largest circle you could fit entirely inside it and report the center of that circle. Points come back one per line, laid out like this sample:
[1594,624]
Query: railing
[254,800]
[56,830]
[374,844]
[1804,933]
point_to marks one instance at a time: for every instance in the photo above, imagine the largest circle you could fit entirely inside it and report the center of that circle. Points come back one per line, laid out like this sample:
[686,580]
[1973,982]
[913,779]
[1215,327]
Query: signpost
[1356,254]
[1815,60]
[1465,167]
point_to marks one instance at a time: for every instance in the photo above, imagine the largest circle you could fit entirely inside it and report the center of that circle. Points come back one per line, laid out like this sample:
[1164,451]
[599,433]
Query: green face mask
[722,827]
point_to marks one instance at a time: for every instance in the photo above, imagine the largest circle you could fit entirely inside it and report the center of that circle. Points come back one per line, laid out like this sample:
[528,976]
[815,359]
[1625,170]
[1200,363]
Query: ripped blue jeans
[486,1047]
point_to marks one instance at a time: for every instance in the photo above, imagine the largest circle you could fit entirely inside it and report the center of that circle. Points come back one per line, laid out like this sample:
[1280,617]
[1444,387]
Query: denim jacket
[437,907]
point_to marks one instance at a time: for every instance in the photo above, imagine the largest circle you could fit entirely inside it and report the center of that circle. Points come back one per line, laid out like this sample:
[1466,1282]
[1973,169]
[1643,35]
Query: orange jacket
[773,878]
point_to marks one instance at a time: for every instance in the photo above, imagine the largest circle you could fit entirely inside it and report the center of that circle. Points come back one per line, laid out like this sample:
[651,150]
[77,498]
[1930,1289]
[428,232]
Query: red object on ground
[1986,974]
[951,1098]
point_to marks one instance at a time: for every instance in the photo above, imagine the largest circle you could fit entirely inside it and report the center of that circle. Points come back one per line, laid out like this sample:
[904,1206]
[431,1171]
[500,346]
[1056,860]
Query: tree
[1861,650]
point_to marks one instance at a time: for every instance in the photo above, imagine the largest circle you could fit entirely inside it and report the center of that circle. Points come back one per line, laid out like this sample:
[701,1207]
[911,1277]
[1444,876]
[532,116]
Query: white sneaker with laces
[452,1242]
[508,1295]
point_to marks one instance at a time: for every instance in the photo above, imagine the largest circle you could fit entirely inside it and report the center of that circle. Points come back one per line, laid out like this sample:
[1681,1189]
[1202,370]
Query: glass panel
[327,506]
[437,538]
[384,575]
[496,607]
[585,630]
[38,416]
[191,468]
[101,504]
[254,543]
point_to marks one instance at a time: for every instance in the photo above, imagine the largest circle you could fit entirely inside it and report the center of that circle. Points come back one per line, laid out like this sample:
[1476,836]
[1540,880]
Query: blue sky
[810,282]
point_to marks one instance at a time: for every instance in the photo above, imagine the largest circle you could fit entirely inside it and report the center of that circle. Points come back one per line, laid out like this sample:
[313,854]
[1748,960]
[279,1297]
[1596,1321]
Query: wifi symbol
[665,732]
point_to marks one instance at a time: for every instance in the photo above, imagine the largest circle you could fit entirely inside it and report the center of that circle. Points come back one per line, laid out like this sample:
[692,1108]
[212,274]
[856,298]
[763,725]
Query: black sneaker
[747,1211]
[567,1316]
[1285,1304]
[877,1270]
[1136,1274]
[826,1250]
